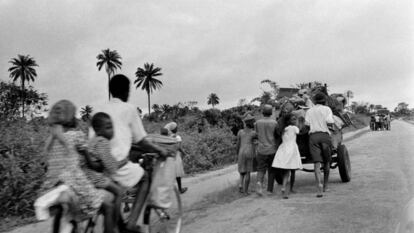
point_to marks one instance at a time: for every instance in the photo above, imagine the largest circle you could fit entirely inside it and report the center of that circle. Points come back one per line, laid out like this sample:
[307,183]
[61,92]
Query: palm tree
[23,69]
[86,112]
[145,80]
[111,60]
[213,99]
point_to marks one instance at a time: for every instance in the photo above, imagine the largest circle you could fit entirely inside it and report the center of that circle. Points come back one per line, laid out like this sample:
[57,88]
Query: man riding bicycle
[128,130]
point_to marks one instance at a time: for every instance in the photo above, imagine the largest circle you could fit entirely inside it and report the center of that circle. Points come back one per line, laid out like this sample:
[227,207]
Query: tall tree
[86,112]
[213,99]
[23,69]
[147,81]
[111,60]
[11,106]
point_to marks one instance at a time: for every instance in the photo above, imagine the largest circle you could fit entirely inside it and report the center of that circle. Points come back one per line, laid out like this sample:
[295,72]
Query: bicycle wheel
[167,221]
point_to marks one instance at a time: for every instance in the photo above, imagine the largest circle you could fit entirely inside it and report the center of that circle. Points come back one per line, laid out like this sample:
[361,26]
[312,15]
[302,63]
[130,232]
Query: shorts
[264,161]
[315,147]
[129,174]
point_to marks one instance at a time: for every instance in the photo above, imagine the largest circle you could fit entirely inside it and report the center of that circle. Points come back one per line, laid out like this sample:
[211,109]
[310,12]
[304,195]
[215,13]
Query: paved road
[382,183]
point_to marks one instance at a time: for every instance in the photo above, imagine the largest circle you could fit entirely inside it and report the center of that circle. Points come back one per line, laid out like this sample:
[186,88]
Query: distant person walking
[172,128]
[266,149]
[246,139]
[287,157]
[318,118]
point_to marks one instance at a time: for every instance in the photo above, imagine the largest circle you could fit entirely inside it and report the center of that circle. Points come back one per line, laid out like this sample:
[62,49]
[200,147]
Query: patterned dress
[100,150]
[247,150]
[63,166]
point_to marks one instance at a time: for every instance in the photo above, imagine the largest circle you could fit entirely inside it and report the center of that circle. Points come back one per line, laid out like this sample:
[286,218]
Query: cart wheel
[278,176]
[344,163]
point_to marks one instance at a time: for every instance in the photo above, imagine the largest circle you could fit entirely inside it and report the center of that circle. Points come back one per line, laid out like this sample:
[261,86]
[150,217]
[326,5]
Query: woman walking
[172,128]
[246,152]
[287,156]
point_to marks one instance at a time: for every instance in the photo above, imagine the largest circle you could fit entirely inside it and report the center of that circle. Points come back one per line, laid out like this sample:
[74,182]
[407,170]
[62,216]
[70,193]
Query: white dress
[287,155]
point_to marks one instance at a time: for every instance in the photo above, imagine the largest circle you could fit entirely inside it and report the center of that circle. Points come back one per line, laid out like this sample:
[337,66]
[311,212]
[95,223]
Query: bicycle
[153,218]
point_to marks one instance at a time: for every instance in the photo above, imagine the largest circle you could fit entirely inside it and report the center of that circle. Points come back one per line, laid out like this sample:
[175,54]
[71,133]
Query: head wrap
[170,127]
[62,112]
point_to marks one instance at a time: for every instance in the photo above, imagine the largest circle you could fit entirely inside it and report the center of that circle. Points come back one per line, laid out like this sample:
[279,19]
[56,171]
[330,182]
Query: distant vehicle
[381,120]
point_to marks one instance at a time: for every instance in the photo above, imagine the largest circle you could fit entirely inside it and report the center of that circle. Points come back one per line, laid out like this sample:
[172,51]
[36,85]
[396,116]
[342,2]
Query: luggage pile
[301,101]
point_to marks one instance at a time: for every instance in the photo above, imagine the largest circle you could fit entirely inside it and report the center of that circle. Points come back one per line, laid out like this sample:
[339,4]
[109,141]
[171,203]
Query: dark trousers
[271,177]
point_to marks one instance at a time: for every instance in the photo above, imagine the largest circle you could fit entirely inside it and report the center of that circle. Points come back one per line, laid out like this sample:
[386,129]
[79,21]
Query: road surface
[381,185]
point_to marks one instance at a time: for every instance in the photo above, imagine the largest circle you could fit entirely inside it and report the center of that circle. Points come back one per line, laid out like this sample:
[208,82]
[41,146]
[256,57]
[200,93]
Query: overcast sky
[221,46]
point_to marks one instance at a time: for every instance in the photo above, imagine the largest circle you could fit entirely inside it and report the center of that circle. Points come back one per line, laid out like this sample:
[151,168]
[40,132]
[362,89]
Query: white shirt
[128,127]
[317,118]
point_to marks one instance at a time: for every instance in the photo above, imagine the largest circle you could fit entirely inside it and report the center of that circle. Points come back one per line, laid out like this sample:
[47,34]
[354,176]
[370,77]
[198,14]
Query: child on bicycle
[99,165]
[65,181]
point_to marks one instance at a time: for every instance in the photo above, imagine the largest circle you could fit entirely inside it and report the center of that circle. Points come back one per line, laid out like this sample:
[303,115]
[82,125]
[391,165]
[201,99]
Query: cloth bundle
[163,177]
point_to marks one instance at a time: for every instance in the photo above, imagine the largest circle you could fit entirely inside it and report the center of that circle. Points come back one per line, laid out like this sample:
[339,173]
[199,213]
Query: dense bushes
[213,148]
[22,165]
[207,146]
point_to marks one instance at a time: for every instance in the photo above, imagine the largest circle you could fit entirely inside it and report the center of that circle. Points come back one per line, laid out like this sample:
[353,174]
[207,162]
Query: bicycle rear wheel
[167,221]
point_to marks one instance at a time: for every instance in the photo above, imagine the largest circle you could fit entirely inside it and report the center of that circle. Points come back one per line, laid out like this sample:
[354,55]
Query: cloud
[226,47]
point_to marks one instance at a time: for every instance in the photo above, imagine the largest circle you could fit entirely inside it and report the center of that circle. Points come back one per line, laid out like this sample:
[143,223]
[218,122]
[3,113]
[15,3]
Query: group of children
[287,158]
[82,172]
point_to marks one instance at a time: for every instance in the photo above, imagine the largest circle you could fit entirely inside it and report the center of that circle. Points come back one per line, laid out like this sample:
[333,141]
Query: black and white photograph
[207,116]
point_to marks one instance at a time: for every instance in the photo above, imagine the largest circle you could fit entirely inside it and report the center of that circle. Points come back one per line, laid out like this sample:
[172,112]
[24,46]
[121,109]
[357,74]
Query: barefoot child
[245,153]
[287,156]
[98,163]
